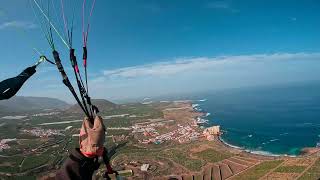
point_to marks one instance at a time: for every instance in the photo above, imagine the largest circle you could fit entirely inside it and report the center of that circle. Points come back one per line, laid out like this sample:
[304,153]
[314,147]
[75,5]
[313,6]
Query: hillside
[19,104]
[3,110]
[102,104]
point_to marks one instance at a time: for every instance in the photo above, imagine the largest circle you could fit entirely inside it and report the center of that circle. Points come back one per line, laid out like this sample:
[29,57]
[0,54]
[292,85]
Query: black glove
[96,164]
[30,70]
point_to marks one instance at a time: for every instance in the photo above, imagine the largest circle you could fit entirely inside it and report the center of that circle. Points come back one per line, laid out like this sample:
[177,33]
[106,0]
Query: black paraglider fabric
[10,87]
[77,166]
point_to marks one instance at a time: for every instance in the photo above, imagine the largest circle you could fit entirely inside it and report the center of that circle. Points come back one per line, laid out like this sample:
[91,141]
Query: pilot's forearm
[10,87]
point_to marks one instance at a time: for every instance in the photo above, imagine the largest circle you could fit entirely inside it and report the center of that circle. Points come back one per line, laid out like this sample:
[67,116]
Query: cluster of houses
[148,129]
[4,145]
[46,114]
[39,132]
[181,134]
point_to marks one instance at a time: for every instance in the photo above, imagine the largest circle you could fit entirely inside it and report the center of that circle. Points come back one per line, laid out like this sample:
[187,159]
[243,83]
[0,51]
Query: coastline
[305,151]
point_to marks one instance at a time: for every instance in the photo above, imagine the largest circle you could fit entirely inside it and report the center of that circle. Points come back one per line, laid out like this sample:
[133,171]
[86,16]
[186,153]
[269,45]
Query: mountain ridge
[19,104]
[102,104]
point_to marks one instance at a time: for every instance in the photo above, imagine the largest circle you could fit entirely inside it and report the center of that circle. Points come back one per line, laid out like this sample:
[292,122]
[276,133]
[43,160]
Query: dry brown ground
[307,161]
[200,148]
[280,176]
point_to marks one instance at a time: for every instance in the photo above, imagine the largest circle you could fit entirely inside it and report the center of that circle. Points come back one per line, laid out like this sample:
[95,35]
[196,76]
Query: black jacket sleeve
[10,87]
[77,167]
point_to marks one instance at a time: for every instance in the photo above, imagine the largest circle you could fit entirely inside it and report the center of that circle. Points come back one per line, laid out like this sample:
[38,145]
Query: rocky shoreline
[307,151]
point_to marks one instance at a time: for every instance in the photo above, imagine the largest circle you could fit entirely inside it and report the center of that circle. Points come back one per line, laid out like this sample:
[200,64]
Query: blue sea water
[277,120]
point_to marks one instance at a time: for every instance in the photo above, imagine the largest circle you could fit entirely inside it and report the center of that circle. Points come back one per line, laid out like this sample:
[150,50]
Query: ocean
[278,120]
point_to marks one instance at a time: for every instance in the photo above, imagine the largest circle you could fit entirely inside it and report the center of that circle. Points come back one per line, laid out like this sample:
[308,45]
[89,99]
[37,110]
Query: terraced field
[223,169]
[313,172]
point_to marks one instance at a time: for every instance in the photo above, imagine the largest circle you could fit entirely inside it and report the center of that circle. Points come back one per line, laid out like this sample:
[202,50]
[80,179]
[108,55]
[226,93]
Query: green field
[11,162]
[176,155]
[290,169]
[313,172]
[9,130]
[119,122]
[258,171]
[183,159]
[212,156]
[34,161]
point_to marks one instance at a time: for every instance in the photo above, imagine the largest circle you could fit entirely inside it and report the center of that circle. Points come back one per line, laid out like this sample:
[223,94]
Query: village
[4,145]
[181,133]
[39,132]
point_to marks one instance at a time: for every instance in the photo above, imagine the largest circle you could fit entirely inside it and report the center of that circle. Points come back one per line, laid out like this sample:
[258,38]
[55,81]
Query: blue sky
[155,47]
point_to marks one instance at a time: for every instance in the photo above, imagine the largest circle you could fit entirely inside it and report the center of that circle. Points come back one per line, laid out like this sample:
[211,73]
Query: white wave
[146,99]
[272,140]
[202,100]
[202,121]
[250,135]
[258,152]
[195,105]
[264,153]
[267,153]
[146,103]
[208,114]
[264,143]
[230,145]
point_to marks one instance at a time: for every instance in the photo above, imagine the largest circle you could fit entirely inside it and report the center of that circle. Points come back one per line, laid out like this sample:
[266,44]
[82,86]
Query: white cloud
[181,65]
[18,24]
[184,75]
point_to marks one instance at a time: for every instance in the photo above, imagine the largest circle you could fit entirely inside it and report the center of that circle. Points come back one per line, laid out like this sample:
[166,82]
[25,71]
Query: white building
[145,167]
